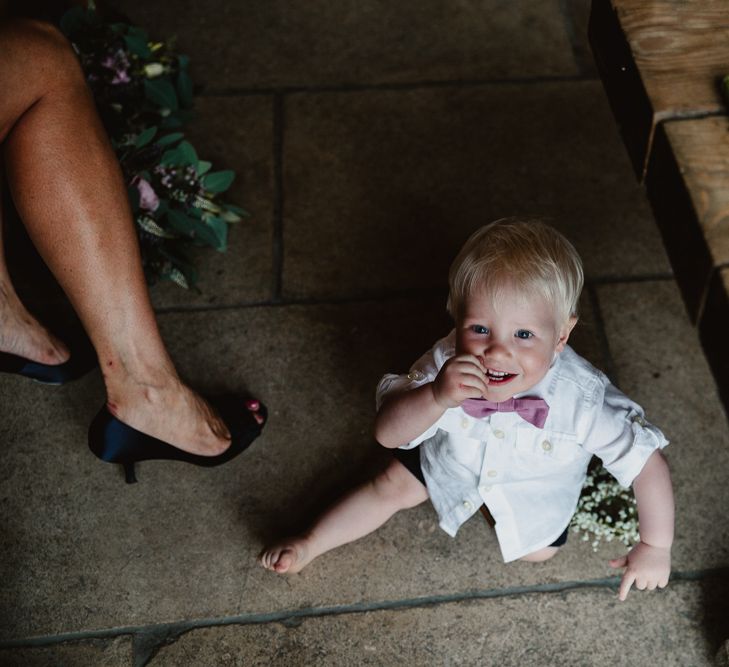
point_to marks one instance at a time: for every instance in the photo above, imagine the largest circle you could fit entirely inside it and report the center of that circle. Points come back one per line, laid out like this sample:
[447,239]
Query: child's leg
[541,555]
[356,514]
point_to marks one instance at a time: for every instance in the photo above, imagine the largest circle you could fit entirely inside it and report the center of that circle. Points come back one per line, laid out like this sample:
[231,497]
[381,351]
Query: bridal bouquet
[144,97]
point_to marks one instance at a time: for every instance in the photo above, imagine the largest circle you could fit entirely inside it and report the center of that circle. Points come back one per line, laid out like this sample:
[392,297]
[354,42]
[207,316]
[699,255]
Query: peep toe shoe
[114,442]
[80,362]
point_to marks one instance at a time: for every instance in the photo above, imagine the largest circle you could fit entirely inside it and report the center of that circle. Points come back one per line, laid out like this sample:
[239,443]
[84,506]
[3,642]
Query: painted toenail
[253,404]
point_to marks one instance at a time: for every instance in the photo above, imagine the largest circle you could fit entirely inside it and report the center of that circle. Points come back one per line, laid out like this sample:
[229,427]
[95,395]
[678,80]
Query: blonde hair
[525,254]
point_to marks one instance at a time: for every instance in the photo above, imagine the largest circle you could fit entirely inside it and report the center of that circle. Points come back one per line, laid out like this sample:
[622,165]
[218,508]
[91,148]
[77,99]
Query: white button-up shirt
[529,478]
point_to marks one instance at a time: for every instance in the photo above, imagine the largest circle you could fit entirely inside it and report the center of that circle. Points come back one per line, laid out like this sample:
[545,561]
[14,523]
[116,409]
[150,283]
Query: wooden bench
[662,63]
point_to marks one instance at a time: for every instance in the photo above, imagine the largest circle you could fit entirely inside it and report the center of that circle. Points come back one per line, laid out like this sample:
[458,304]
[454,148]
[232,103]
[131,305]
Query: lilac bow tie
[533,410]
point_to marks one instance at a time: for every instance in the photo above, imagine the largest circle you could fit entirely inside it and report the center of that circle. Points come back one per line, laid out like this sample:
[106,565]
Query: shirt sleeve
[621,437]
[424,370]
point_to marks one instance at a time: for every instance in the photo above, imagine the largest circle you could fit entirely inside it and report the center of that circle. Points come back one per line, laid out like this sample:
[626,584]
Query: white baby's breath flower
[605,511]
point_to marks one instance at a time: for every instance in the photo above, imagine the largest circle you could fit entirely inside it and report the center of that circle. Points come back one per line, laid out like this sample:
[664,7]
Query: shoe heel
[129,476]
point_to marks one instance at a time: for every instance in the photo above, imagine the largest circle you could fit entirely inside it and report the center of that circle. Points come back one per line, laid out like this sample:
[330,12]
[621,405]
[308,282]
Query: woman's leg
[20,333]
[359,512]
[69,192]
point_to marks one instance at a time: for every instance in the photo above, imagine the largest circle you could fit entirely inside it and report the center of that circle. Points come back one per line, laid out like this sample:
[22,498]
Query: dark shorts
[410,458]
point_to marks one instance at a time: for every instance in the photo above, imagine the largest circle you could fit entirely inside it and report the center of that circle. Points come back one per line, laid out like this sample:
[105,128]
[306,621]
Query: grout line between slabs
[170,630]
[278,198]
[235,91]
[571,31]
[411,292]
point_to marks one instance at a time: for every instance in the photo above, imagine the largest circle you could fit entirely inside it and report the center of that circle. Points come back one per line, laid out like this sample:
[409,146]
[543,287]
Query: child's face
[515,340]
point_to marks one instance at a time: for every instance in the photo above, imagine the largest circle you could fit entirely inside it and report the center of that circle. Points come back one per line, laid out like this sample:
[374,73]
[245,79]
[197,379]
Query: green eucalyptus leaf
[218,181]
[203,167]
[184,89]
[171,122]
[238,210]
[182,223]
[214,232]
[168,139]
[170,157]
[183,61]
[189,156]
[137,45]
[220,228]
[161,92]
[145,137]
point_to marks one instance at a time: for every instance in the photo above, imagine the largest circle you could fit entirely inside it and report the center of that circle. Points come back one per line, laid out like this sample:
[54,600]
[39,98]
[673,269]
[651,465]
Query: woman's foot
[168,410]
[287,557]
[23,336]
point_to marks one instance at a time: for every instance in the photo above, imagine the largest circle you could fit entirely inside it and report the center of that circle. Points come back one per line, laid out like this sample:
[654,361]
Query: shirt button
[415,375]
[498,433]
[465,423]
[547,446]
[467,505]
[492,473]
[485,488]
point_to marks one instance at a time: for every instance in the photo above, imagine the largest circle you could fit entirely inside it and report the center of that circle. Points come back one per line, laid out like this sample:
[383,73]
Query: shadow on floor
[715,592]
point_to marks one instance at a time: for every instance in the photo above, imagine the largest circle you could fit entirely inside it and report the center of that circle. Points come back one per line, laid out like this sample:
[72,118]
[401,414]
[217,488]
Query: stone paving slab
[394,181]
[585,627]
[84,551]
[99,653]
[660,364]
[234,133]
[260,44]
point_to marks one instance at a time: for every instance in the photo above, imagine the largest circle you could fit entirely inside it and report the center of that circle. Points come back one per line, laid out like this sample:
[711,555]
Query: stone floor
[369,139]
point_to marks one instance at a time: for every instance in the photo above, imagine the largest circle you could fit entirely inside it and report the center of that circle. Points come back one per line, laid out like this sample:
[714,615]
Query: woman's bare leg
[359,512]
[20,333]
[69,191]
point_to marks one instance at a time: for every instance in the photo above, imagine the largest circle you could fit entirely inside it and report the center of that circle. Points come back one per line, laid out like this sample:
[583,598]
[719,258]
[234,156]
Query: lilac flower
[148,199]
[118,63]
[121,76]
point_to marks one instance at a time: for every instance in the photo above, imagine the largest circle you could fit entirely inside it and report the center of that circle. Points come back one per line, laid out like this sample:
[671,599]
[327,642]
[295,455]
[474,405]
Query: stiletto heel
[113,441]
[129,476]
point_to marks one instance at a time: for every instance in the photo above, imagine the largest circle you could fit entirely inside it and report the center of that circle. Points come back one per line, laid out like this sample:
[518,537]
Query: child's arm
[648,564]
[405,415]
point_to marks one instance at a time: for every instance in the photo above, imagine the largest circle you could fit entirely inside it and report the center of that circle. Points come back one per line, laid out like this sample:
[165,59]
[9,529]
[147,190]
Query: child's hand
[460,378]
[646,567]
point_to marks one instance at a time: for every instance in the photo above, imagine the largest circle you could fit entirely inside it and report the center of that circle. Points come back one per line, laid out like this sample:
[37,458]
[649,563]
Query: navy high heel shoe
[115,442]
[80,362]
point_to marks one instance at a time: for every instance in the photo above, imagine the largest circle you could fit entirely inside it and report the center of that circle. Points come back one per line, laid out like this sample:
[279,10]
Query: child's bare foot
[287,557]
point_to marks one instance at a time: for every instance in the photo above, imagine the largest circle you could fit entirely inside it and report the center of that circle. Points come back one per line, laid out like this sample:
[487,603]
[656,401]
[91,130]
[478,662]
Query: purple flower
[148,199]
[118,63]
[121,76]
